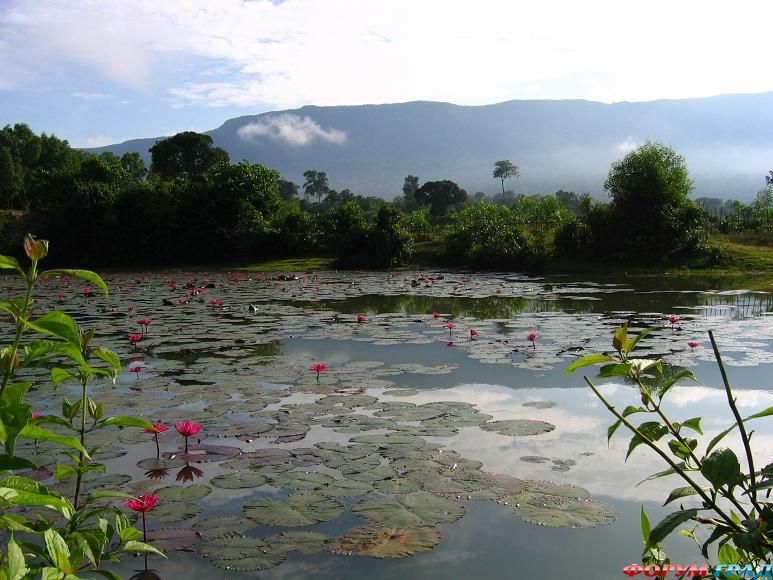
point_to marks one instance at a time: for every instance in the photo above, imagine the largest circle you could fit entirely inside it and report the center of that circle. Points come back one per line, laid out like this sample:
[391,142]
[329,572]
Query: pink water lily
[673,320]
[135,338]
[187,429]
[450,326]
[144,323]
[318,368]
[532,336]
[692,344]
[360,318]
[143,504]
[473,333]
[135,369]
[155,429]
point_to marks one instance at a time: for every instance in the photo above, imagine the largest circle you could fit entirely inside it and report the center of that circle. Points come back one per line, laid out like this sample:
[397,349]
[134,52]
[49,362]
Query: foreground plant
[73,535]
[738,520]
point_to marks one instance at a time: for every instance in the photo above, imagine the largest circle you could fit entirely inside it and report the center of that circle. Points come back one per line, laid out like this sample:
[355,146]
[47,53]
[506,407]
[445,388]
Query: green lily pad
[347,488]
[204,453]
[397,485]
[401,392]
[556,511]
[386,542]
[174,511]
[302,542]
[151,463]
[183,493]
[241,553]
[300,480]
[416,509]
[518,427]
[298,510]
[239,480]
[559,489]
[219,527]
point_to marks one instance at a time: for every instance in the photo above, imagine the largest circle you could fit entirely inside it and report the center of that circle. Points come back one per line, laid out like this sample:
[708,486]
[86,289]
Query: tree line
[194,206]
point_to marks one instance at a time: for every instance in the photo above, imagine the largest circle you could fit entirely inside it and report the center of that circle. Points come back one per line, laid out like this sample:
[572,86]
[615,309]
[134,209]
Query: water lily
[135,338]
[159,473]
[532,336]
[86,292]
[692,344]
[144,323]
[318,368]
[473,333]
[360,318]
[143,504]
[436,314]
[673,320]
[155,429]
[187,429]
[450,326]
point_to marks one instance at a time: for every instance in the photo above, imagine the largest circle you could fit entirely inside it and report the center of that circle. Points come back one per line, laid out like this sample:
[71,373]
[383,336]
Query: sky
[97,72]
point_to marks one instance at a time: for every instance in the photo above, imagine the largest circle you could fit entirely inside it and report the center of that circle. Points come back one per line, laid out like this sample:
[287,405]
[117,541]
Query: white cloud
[626,146]
[86,96]
[268,54]
[98,141]
[291,129]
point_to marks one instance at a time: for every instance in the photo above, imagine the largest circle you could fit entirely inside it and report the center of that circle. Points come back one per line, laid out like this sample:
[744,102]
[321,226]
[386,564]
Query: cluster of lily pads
[307,447]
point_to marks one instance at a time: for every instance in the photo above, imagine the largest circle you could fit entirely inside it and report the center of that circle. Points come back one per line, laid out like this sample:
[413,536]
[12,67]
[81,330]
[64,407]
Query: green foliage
[77,535]
[185,156]
[440,196]
[487,235]
[315,184]
[738,518]
[650,217]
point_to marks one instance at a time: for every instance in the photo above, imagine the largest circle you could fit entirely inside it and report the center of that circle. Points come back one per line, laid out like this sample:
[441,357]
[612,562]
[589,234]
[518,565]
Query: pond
[421,449]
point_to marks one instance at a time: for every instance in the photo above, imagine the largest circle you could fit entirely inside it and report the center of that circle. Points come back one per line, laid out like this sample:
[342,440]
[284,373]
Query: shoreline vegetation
[193,207]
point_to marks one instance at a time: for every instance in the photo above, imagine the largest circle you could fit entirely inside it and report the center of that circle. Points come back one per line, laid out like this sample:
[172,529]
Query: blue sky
[102,71]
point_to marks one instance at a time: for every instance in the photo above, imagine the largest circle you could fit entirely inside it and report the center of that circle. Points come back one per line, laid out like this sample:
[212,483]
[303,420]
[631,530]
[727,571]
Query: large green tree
[185,156]
[440,196]
[505,169]
[652,217]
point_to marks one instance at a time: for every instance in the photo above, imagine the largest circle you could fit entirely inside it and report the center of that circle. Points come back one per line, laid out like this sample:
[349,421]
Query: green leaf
[135,546]
[43,350]
[126,421]
[35,432]
[58,376]
[129,534]
[631,409]
[681,450]
[620,336]
[680,492]
[694,424]
[58,550]
[615,370]
[592,359]
[87,275]
[14,392]
[10,462]
[611,430]
[760,485]
[10,263]
[645,526]
[109,357]
[766,413]
[651,430]
[629,344]
[57,324]
[17,566]
[13,422]
[727,554]
[721,467]
[670,523]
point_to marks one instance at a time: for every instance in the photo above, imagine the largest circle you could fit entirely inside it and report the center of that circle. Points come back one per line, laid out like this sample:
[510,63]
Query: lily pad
[183,493]
[298,510]
[518,427]
[347,488]
[386,542]
[174,511]
[300,480]
[556,511]
[219,527]
[241,553]
[302,542]
[239,480]
[559,489]
[204,453]
[416,509]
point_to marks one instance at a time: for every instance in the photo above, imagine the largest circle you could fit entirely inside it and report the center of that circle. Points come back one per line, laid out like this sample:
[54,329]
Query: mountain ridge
[568,144]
